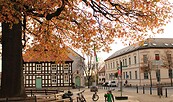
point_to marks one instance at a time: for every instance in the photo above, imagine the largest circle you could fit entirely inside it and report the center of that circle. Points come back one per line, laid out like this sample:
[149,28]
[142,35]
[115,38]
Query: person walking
[126,83]
[109,96]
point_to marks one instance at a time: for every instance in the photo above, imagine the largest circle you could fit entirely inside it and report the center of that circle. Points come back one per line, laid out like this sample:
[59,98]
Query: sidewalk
[132,96]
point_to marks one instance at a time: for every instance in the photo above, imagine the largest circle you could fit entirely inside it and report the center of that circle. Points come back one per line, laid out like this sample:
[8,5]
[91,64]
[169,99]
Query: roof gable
[38,53]
[146,44]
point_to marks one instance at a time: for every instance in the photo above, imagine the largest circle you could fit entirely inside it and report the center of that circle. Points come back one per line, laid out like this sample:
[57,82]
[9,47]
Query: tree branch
[57,12]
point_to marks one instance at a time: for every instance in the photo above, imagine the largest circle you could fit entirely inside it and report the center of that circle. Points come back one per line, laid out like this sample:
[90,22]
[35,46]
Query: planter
[121,97]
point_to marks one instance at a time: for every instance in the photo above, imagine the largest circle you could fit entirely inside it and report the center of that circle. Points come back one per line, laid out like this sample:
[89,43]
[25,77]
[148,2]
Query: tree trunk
[12,66]
[88,82]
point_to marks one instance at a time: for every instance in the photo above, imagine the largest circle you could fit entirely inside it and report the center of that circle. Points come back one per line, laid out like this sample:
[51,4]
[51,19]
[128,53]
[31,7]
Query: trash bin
[159,91]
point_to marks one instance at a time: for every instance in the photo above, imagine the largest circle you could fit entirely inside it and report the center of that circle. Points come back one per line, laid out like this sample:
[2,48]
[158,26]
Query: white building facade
[101,75]
[139,60]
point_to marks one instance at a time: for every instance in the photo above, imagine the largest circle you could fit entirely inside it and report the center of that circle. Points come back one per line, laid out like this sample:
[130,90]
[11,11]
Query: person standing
[125,83]
[109,96]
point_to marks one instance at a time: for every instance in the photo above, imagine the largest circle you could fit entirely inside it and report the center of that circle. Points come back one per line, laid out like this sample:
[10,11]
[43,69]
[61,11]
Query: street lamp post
[121,97]
[95,73]
[121,78]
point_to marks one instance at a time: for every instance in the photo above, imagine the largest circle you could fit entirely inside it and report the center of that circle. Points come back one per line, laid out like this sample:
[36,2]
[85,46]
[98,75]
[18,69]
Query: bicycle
[80,97]
[69,95]
[95,96]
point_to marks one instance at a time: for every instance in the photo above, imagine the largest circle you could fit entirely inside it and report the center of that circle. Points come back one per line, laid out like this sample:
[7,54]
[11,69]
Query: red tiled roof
[34,55]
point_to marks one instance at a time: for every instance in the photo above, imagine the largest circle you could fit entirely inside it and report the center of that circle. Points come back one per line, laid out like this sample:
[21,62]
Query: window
[66,66]
[66,78]
[170,73]
[54,79]
[157,57]
[117,64]
[124,75]
[110,77]
[109,65]
[145,58]
[169,60]
[136,77]
[135,60]
[127,76]
[145,74]
[53,66]
[158,75]
[113,65]
[38,67]
[130,75]
[125,62]
[129,61]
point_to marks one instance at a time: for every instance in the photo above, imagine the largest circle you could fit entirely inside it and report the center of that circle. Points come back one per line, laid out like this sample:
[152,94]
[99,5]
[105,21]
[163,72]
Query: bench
[52,97]
[42,91]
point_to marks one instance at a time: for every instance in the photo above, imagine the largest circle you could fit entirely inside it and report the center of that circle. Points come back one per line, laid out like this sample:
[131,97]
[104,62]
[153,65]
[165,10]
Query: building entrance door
[77,81]
[38,83]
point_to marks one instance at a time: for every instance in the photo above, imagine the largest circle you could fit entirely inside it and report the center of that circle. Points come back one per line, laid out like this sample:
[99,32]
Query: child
[109,96]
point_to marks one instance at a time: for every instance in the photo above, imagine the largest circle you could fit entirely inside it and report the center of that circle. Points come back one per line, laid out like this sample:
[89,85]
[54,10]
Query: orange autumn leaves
[82,24]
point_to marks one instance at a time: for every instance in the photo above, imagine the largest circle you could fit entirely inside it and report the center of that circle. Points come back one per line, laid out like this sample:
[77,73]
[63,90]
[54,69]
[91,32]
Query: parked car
[112,83]
[105,84]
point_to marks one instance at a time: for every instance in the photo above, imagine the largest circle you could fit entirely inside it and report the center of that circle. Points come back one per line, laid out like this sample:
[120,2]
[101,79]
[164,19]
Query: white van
[112,83]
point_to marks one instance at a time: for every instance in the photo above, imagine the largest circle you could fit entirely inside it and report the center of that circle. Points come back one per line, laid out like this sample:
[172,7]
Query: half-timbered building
[48,73]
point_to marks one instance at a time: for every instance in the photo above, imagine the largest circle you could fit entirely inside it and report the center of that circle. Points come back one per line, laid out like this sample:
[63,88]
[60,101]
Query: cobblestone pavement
[132,96]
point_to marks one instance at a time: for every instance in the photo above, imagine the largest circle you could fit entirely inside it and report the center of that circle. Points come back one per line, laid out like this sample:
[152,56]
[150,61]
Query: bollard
[143,90]
[150,90]
[45,92]
[166,95]
[7,99]
[31,93]
[136,88]
[159,91]
[57,91]
[35,98]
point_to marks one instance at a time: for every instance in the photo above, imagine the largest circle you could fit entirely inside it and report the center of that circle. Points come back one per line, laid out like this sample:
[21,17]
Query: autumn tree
[88,69]
[146,68]
[75,23]
[167,63]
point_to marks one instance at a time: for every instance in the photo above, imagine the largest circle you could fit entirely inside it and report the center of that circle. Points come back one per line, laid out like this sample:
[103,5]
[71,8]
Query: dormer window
[145,44]
[154,44]
[166,44]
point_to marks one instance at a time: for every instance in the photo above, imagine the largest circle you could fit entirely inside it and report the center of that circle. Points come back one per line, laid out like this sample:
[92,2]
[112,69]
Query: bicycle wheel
[95,97]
